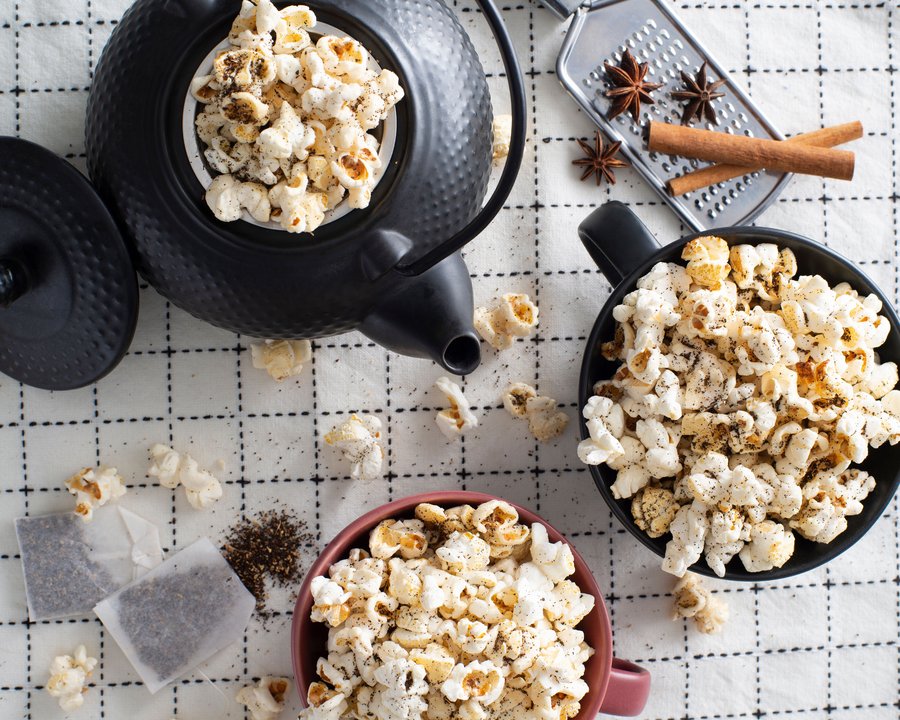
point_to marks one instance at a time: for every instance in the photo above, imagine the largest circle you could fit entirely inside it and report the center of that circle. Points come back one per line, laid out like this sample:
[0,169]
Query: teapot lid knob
[68,290]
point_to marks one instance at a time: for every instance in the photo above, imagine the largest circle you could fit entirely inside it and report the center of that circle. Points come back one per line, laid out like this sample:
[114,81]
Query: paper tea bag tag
[70,565]
[179,614]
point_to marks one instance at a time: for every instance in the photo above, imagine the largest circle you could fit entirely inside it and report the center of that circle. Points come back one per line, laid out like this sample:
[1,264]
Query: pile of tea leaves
[266,548]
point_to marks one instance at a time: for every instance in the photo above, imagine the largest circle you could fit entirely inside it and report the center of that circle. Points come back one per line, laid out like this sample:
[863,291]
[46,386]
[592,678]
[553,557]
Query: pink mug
[617,687]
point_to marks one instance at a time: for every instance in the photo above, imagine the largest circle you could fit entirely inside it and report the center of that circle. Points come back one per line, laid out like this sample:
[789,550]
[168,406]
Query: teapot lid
[68,290]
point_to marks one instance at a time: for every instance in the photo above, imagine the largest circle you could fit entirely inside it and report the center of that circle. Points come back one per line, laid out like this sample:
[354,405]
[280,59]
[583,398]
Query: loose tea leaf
[267,548]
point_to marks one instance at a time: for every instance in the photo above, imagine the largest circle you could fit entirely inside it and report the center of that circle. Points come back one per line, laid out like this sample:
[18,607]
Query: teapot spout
[430,316]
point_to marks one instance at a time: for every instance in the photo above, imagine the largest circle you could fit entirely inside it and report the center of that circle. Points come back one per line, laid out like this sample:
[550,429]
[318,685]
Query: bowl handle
[616,240]
[504,186]
[628,689]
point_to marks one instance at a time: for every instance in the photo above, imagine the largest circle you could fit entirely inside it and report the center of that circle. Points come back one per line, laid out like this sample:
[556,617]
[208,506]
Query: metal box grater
[600,31]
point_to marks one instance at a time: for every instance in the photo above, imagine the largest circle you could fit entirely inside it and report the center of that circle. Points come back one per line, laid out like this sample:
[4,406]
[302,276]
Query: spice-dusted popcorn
[743,398]
[502,136]
[545,420]
[513,315]
[359,438]
[450,629]
[282,359]
[68,676]
[694,600]
[94,488]
[286,122]
[172,468]
[458,418]
[265,700]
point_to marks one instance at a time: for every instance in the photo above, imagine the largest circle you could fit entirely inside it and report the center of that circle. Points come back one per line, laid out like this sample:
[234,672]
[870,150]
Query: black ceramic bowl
[625,250]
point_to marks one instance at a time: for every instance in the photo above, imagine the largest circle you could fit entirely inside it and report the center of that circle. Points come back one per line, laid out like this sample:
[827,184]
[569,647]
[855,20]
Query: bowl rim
[347,539]
[732,235]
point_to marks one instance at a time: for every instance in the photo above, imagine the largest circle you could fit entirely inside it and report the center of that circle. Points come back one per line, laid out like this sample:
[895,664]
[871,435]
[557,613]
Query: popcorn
[331,603]
[827,502]
[653,509]
[554,559]
[501,131]
[358,439]
[334,708]
[510,317]
[688,528]
[606,425]
[707,261]
[754,391]
[464,552]
[68,676]
[270,99]
[694,600]
[437,661]
[94,488]
[770,546]
[265,700]
[458,418]
[172,469]
[481,681]
[545,420]
[282,359]
[406,537]
[452,632]
[516,398]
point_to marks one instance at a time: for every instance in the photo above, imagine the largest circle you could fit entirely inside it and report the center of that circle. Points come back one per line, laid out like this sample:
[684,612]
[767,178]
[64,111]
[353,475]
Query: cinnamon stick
[750,152]
[826,137]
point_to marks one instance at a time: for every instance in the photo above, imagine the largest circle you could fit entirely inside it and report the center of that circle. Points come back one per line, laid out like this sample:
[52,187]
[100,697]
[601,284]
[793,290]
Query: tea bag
[70,565]
[178,614]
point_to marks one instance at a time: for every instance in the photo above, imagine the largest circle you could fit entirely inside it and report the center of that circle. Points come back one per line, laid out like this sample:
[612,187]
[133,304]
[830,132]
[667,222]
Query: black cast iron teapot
[392,270]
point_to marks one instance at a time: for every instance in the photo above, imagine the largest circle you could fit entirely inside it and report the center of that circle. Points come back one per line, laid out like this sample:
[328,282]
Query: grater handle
[562,8]
[616,240]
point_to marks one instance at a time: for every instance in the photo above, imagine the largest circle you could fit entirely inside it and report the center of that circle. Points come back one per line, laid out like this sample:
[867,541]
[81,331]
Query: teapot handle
[513,160]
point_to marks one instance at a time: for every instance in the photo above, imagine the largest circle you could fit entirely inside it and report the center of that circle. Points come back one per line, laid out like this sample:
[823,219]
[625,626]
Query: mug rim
[597,677]
[732,235]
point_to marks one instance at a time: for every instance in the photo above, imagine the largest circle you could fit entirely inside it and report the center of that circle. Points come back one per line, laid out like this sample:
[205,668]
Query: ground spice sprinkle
[267,547]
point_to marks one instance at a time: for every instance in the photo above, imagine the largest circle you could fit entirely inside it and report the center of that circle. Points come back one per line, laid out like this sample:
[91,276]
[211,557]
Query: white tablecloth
[823,644]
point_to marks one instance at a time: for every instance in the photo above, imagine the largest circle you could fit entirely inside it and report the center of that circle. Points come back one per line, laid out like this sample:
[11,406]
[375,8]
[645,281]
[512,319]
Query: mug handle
[628,689]
[616,240]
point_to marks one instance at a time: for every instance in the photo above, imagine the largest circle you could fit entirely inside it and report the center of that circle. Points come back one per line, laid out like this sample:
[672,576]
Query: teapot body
[266,282]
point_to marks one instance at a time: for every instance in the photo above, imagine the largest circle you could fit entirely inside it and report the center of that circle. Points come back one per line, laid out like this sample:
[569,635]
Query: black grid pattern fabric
[821,645]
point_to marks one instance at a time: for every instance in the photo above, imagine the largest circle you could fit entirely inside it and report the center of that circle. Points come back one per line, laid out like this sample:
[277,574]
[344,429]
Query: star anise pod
[629,87]
[600,160]
[699,94]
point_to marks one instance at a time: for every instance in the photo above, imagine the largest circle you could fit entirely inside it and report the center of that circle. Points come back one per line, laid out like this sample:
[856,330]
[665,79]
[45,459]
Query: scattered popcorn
[68,676]
[285,121]
[458,418]
[545,420]
[434,622]
[502,134]
[510,317]
[94,488]
[282,359]
[743,397]
[172,468]
[694,600]
[265,700]
[358,438]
